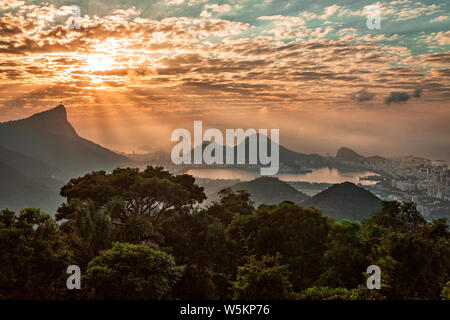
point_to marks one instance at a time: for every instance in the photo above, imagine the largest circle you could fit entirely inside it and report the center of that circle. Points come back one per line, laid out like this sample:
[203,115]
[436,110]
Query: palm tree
[100,227]
[94,226]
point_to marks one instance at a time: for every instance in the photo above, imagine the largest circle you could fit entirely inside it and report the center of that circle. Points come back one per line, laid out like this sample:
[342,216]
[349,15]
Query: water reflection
[327,175]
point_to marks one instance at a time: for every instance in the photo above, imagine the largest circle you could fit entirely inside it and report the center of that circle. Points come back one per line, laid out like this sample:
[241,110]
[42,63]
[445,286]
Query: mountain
[288,158]
[51,139]
[28,166]
[18,191]
[212,187]
[349,155]
[270,190]
[345,201]
[41,153]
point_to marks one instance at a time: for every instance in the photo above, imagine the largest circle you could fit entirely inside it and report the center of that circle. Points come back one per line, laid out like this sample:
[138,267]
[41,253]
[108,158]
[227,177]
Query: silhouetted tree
[346,257]
[34,256]
[300,235]
[149,193]
[128,271]
[263,279]
[414,256]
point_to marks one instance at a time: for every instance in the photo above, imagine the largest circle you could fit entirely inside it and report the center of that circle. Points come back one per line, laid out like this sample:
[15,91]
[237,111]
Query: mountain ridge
[345,201]
[49,137]
[38,154]
[270,190]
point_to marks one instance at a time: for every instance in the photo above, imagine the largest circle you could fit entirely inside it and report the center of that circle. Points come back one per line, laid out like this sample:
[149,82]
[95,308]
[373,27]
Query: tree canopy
[150,192]
[128,271]
[142,235]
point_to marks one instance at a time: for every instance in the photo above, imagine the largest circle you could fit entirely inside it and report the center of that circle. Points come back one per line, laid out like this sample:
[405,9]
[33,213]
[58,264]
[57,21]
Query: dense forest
[142,235]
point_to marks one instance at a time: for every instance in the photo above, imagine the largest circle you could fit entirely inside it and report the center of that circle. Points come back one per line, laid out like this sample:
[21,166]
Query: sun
[100,62]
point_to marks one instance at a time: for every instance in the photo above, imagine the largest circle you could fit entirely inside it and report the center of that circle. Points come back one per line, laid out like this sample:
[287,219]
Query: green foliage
[124,206]
[34,256]
[445,294]
[231,204]
[323,293]
[412,268]
[414,256]
[346,256]
[151,192]
[131,231]
[128,271]
[299,235]
[200,242]
[92,229]
[263,279]
[328,293]
[395,216]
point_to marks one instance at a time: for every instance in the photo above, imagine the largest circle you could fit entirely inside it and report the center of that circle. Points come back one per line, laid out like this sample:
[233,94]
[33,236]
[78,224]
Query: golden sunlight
[100,62]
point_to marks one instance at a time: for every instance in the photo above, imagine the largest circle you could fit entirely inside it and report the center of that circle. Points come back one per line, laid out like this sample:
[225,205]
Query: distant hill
[287,157]
[18,191]
[270,190]
[40,153]
[212,187]
[51,139]
[345,201]
[347,154]
[28,166]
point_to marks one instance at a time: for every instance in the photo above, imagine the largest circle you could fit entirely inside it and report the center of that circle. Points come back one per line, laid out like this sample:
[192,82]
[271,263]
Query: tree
[263,279]
[346,257]
[299,235]
[395,216]
[34,256]
[149,193]
[327,293]
[230,204]
[413,255]
[93,226]
[92,229]
[412,267]
[200,242]
[445,294]
[128,271]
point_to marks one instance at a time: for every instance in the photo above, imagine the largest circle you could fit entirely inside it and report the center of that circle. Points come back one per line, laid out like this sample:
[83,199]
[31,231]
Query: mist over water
[322,175]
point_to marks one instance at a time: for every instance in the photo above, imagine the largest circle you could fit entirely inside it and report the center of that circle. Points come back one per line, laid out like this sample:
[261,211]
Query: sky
[130,72]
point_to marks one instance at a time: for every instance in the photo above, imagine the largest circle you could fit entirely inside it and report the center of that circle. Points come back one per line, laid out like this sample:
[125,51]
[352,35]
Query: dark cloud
[397,97]
[363,95]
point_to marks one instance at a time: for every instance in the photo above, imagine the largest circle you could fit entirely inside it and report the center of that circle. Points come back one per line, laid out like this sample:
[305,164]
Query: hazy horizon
[160,137]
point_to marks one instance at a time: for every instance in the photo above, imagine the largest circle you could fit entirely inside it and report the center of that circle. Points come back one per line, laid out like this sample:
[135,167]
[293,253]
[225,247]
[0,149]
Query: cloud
[398,97]
[442,38]
[10,4]
[181,62]
[439,19]
[196,2]
[417,93]
[174,2]
[363,96]
[220,9]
